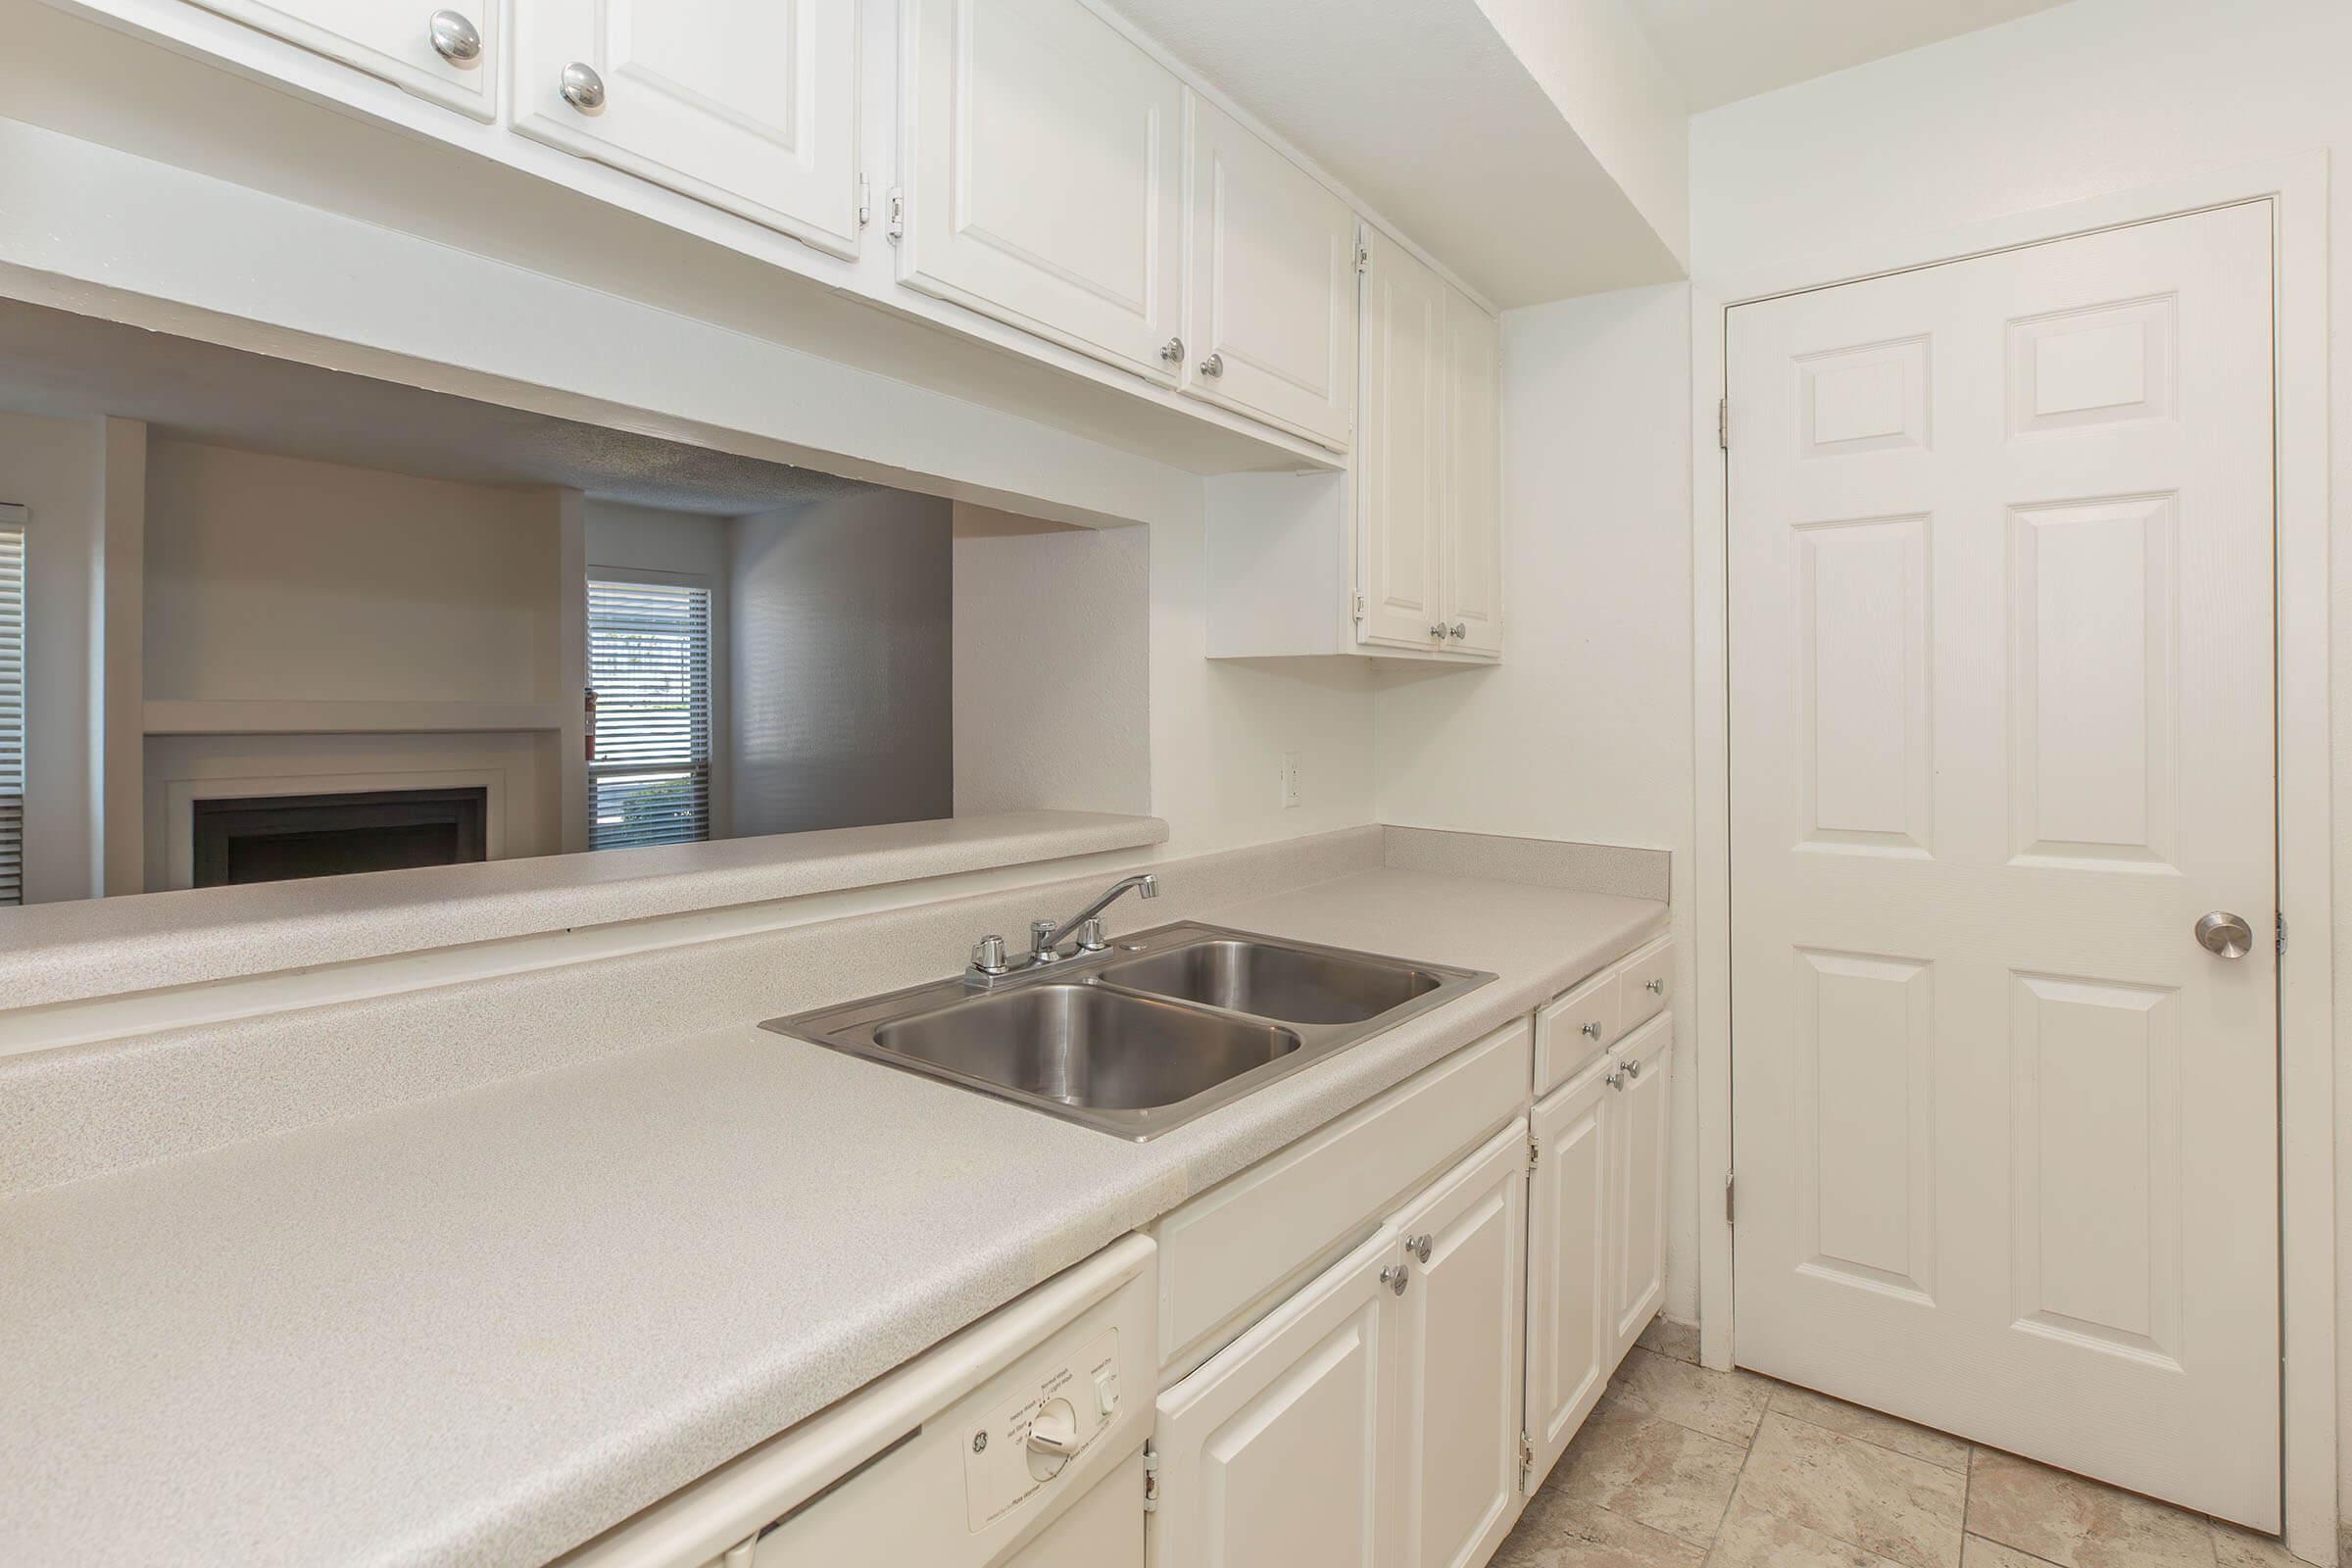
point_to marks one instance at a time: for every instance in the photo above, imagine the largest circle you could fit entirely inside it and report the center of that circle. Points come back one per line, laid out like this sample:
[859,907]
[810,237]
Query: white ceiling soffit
[1720,51]
[62,365]
[1532,146]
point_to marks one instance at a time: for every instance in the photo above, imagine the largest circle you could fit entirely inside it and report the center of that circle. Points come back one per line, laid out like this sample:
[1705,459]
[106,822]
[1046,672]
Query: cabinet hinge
[865,201]
[1731,1199]
[1151,1479]
[1535,1154]
[1527,1465]
[898,214]
[1359,606]
[1364,257]
[1723,424]
[2282,936]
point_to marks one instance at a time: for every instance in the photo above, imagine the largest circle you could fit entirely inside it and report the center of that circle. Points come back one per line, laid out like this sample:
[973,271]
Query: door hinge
[1527,1465]
[898,214]
[1731,1199]
[1151,1479]
[1723,424]
[2282,936]
[865,201]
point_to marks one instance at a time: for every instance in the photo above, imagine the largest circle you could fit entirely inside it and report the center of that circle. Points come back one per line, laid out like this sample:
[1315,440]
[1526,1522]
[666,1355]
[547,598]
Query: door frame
[2296,189]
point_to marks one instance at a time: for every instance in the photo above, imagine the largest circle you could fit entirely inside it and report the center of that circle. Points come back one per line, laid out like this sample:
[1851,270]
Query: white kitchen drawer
[1573,1030]
[1645,985]
[1227,1256]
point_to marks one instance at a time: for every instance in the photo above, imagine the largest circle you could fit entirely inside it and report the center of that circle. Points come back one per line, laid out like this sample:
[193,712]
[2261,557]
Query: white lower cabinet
[1639,1152]
[1271,1453]
[1569,1290]
[1596,1232]
[1459,1347]
[1379,1405]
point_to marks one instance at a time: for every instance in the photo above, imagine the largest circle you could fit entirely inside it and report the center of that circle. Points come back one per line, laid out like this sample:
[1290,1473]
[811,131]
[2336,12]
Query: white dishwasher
[1017,1442]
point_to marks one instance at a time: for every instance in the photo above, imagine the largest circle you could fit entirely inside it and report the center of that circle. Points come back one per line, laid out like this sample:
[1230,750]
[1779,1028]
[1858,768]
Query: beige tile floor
[1679,1467]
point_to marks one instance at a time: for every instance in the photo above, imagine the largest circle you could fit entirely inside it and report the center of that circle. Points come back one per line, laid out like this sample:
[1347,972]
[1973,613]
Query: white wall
[839,664]
[55,468]
[1052,665]
[1583,730]
[2093,97]
[273,578]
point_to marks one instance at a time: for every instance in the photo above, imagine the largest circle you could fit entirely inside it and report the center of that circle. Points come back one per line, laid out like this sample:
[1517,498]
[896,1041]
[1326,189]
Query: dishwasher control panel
[1030,1439]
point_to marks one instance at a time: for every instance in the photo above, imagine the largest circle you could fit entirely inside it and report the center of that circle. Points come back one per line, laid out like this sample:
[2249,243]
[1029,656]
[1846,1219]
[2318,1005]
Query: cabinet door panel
[1270,1454]
[1459,1342]
[1640,1156]
[749,105]
[1400,468]
[1570,1290]
[391,41]
[1272,329]
[1046,173]
[1473,477]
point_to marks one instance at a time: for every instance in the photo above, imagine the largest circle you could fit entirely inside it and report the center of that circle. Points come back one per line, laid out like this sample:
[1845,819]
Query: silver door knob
[455,37]
[1458,631]
[1396,1276]
[1591,1029]
[1655,986]
[1420,1244]
[1633,1069]
[1616,1078]
[2225,934]
[1172,350]
[582,87]
[1214,365]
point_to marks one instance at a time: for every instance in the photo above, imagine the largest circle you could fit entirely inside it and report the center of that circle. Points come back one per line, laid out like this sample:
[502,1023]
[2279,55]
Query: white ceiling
[64,366]
[1720,51]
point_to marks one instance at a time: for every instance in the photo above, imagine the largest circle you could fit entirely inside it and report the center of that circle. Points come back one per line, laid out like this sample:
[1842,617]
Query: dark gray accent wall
[840,661]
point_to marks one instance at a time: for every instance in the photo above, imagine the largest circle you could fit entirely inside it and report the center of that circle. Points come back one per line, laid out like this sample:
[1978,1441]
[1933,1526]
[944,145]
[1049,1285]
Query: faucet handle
[1092,937]
[1041,934]
[988,955]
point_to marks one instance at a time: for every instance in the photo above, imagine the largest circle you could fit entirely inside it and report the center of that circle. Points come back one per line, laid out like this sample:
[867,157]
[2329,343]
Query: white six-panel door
[1045,171]
[2001,668]
[749,105]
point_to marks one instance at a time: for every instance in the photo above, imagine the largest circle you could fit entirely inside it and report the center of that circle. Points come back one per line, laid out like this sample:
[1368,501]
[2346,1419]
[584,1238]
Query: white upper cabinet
[1399,455]
[449,55]
[1043,172]
[1272,262]
[748,105]
[1473,361]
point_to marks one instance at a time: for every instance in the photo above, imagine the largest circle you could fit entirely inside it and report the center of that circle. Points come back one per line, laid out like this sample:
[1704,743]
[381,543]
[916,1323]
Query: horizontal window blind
[649,670]
[12,714]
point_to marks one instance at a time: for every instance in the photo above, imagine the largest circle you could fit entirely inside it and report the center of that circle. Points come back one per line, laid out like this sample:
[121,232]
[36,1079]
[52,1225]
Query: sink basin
[1295,985]
[1084,1045]
[1157,1029]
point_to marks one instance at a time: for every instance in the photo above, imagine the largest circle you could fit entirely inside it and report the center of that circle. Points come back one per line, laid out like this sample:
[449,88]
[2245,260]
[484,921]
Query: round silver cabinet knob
[1214,365]
[1419,1246]
[1458,631]
[1655,987]
[1396,1276]
[455,37]
[1172,350]
[582,87]
[2225,934]
[1591,1029]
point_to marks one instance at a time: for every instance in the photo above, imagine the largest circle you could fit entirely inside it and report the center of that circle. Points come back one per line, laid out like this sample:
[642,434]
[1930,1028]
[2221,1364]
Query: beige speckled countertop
[482,1328]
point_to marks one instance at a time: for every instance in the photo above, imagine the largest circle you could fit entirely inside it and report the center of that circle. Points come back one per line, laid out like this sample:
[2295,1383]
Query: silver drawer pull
[1420,1244]
[1655,984]
[1592,1029]
[1633,1069]
[1396,1276]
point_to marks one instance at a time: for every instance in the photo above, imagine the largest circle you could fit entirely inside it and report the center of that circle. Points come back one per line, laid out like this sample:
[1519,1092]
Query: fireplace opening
[275,837]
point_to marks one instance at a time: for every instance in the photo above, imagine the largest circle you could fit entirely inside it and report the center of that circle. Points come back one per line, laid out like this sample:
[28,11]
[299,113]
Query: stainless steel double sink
[1147,1035]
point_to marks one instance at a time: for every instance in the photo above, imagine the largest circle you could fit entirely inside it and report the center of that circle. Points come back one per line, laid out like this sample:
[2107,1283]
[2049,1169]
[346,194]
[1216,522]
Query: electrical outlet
[1290,779]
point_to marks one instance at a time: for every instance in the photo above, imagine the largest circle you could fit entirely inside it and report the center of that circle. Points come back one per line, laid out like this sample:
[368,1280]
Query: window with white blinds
[12,706]
[649,739]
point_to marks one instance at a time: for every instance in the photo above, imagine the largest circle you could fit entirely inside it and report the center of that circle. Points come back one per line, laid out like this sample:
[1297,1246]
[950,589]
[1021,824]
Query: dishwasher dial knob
[1053,1438]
